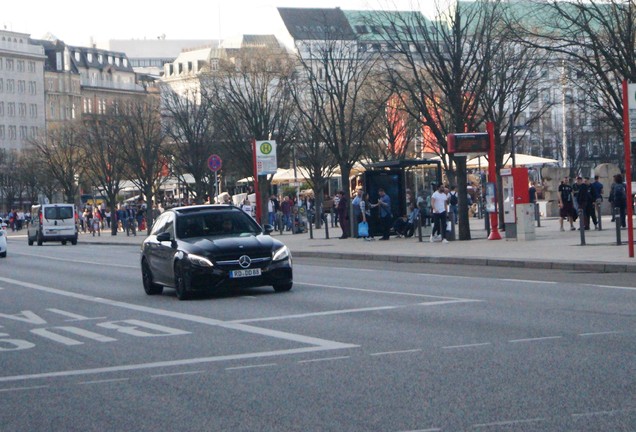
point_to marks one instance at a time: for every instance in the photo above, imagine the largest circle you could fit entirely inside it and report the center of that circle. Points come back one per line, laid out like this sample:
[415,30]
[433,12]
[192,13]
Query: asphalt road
[354,346]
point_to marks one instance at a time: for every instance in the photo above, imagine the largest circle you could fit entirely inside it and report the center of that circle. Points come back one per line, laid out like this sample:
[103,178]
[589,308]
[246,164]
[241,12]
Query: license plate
[245,273]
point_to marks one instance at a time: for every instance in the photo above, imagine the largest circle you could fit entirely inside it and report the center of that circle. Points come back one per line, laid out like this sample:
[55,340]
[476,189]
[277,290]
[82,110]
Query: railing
[21,47]
[87,82]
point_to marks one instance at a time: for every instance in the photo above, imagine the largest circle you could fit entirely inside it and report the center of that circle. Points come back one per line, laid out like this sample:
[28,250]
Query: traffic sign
[215,163]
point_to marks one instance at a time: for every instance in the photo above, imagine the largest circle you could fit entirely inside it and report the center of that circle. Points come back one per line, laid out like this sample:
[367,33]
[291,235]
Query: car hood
[217,247]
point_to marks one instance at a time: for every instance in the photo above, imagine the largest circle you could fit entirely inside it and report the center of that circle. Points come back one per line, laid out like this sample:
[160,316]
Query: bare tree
[254,102]
[339,101]
[105,160]
[144,149]
[441,68]
[62,153]
[189,124]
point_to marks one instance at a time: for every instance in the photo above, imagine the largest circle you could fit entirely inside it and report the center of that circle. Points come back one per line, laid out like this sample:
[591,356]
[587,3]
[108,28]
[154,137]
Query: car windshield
[216,224]
[65,212]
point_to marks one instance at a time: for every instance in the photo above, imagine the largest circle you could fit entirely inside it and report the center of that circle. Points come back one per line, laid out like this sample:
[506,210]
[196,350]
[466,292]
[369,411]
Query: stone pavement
[552,249]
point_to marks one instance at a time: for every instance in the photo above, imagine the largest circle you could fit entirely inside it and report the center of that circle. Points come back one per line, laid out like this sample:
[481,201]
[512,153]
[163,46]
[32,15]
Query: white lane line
[466,346]
[73,316]
[177,374]
[105,381]
[323,359]
[323,343]
[385,292]
[509,422]
[528,281]
[160,364]
[265,365]
[396,352]
[314,314]
[443,302]
[611,287]
[601,413]
[5,390]
[424,430]
[600,333]
[94,263]
[535,339]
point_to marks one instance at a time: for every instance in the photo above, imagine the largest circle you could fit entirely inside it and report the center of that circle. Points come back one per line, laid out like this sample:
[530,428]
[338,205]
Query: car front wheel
[150,287]
[181,282]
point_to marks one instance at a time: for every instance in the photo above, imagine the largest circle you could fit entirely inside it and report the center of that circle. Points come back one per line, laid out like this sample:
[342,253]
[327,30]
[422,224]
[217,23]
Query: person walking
[384,204]
[566,205]
[358,207]
[342,211]
[597,196]
[439,205]
[618,198]
[584,199]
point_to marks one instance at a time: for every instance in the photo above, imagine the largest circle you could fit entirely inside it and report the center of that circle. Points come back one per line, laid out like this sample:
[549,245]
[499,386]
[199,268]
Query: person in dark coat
[343,216]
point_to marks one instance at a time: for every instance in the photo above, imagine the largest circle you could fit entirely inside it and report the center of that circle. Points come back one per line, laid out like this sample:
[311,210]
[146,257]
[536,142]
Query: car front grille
[233,264]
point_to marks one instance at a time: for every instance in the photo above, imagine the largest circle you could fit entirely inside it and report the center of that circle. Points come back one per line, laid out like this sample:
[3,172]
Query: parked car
[52,222]
[3,239]
[212,247]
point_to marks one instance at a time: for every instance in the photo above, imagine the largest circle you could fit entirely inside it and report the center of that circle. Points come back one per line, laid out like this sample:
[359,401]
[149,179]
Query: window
[1,109]
[12,132]
[33,132]
[33,111]
[32,67]
[10,64]
[23,132]
[2,132]
[77,56]
[1,85]
[100,58]
[1,63]
[32,87]
[10,86]
[11,109]
[21,86]
[22,110]
[52,109]
[89,57]
[21,66]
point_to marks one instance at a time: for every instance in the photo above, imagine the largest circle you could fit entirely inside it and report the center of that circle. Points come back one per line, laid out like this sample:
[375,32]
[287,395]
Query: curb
[596,267]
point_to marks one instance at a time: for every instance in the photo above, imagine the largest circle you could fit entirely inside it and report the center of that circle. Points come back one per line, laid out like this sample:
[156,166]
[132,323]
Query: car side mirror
[268,229]
[164,236]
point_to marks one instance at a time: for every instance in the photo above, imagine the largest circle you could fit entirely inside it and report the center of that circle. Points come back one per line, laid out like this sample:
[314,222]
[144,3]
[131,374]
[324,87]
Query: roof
[317,24]
[385,25]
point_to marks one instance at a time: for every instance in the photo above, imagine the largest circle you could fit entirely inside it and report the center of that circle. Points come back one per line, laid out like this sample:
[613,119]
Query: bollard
[537,214]
[582,226]
[419,227]
[599,218]
[326,226]
[309,222]
[617,219]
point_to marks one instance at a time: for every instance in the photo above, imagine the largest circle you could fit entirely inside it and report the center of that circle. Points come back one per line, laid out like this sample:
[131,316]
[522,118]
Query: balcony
[110,85]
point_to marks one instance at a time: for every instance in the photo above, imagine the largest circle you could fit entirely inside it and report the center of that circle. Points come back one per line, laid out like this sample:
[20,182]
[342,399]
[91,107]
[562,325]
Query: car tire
[150,287]
[283,287]
[74,242]
[181,282]
[29,241]
[63,242]
[3,255]
[39,240]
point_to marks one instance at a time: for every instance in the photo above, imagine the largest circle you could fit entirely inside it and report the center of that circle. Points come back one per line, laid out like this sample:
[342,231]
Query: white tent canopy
[522,160]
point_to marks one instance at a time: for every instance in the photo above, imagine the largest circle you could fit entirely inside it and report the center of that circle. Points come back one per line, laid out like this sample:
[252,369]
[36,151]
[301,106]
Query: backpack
[620,194]
[453,199]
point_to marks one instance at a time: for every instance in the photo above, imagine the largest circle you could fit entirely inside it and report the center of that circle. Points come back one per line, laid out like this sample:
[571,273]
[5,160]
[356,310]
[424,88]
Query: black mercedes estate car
[208,247]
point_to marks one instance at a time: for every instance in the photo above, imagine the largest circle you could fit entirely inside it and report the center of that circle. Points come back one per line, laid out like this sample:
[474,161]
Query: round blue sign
[214,163]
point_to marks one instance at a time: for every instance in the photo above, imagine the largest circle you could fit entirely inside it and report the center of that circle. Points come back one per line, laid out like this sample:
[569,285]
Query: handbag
[363,229]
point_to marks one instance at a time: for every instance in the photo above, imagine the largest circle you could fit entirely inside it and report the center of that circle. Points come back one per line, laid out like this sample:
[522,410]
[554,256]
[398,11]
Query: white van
[52,222]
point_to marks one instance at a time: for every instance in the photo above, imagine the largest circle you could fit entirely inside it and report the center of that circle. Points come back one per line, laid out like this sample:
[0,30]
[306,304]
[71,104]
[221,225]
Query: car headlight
[280,254]
[200,261]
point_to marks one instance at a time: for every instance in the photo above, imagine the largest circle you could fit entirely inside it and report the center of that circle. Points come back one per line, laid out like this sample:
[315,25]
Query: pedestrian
[453,204]
[590,205]
[583,199]
[343,212]
[566,205]
[597,196]
[286,208]
[272,207]
[386,216]
[358,207]
[618,198]
[439,205]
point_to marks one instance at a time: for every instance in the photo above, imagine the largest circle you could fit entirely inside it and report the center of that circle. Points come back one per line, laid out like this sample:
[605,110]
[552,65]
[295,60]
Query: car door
[164,254]
[152,248]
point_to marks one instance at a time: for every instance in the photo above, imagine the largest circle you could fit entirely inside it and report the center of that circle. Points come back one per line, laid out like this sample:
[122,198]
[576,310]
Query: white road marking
[313,314]
[323,359]
[22,388]
[265,365]
[396,352]
[508,422]
[387,292]
[76,261]
[177,374]
[466,346]
[611,287]
[424,430]
[75,317]
[598,413]
[535,339]
[528,281]
[103,381]
[600,333]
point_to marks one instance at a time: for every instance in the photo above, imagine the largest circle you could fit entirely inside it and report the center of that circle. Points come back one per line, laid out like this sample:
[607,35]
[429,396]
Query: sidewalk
[552,248]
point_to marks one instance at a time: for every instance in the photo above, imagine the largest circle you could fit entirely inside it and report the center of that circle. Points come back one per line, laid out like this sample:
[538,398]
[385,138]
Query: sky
[78,22]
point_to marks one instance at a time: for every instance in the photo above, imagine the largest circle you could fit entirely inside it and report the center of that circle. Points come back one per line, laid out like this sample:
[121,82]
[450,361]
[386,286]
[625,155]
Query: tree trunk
[462,191]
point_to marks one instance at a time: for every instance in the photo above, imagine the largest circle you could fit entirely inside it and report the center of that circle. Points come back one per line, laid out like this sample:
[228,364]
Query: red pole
[628,170]
[256,190]
[492,177]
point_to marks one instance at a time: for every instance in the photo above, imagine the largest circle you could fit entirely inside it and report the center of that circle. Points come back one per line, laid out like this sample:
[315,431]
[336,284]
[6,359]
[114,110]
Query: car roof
[204,208]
